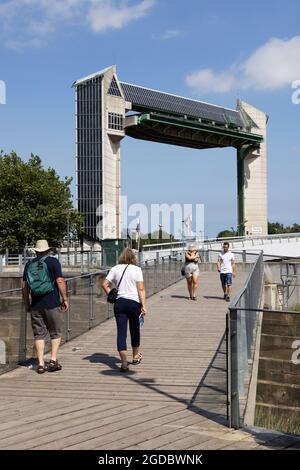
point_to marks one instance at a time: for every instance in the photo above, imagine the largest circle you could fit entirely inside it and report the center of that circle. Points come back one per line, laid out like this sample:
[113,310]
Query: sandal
[138,360]
[41,369]
[124,368]
[54,366]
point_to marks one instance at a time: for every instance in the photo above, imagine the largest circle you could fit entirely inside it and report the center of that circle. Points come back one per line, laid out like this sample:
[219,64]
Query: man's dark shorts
[226,279]
[46,322]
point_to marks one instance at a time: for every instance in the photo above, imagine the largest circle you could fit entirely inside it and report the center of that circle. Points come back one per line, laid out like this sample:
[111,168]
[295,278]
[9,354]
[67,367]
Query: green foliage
[273,229]
[34,203]
[296,308]
[227,234]
[276,227]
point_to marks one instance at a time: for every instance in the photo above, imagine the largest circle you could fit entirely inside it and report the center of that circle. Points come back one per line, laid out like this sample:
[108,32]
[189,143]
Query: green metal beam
[238,135]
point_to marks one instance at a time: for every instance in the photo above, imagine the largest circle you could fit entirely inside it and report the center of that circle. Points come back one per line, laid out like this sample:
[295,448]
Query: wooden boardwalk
[175,399]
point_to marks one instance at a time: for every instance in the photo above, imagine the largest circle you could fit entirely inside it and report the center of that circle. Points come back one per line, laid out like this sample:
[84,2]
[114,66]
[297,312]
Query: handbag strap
[122,276]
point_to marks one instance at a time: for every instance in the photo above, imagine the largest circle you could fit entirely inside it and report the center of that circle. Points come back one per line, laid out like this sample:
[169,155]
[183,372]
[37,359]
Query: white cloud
[110,15]
[28,22]
[272,66]
[20,45]
[172,33]
[206,80]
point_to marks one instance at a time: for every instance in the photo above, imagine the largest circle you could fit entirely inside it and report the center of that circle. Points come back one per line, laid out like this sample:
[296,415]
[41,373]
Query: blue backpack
[38,277]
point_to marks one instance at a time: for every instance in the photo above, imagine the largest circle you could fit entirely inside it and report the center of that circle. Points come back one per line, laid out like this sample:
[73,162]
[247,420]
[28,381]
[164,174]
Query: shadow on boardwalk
[214,379]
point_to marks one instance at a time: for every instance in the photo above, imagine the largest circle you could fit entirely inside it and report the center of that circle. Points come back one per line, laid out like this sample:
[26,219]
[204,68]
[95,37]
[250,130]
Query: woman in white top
[191,269]
[130,304]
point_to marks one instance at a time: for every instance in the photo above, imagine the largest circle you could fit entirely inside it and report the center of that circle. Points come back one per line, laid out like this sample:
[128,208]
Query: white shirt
[226,259]
[127,289]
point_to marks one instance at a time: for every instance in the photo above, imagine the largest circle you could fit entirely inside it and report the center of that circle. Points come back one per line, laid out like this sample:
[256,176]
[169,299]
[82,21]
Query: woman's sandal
[41,369]
[124,368]
[53,366]
[138,360]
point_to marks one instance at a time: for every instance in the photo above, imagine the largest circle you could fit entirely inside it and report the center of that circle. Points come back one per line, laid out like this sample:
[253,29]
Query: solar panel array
[165,102]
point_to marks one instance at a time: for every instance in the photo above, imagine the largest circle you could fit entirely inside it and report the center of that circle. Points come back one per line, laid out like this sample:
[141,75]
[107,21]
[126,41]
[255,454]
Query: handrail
[234,302]
[263,310]
[241,337]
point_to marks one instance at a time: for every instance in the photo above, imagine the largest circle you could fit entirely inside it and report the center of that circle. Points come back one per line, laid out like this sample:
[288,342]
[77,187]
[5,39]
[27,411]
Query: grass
[296,308]
[278,419]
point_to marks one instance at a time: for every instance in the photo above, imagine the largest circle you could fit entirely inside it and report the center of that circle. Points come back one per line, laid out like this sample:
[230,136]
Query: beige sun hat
[41,246]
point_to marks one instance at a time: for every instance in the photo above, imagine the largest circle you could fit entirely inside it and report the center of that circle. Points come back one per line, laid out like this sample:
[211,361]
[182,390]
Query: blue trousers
[127,311]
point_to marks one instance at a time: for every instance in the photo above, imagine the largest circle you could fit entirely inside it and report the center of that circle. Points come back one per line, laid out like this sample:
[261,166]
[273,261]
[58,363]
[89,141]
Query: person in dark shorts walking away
[226,268]
[43,284]
[130,304]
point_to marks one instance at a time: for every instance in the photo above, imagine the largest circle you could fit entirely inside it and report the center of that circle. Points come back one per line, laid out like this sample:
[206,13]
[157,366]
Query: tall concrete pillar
[252,176]
[113,116]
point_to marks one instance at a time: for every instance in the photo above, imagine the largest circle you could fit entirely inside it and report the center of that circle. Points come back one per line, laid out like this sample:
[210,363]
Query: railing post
[1,263]
[6,257]
[23,335]
[67,315]
[81,262]
[234,421]
[244,256]
[91,304]
[155,275]
[228,370]
[59,255]
[20,263]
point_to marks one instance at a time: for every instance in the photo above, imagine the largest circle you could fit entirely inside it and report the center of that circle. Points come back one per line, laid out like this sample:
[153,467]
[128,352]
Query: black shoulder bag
[113,293]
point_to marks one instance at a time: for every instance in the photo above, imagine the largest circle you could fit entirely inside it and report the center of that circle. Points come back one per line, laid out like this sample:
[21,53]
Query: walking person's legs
[40,333]
[55,343]
[121,320]
[54,319]
[195,279]
[40,350]
[189,281]
[134,328]
[228,286]
[224,285]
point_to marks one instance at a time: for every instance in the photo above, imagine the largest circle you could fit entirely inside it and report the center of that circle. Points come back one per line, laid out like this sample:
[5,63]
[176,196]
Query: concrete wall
[111,227]
[255,177]
[278,385]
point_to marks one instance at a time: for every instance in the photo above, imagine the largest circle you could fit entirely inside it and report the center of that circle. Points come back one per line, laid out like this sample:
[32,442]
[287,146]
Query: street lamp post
[160,232]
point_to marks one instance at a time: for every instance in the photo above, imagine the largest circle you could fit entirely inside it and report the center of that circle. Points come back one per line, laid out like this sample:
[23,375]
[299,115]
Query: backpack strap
[122,276]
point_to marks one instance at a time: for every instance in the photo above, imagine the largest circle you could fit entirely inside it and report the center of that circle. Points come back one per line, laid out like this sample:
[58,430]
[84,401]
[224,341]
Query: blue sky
[211,51]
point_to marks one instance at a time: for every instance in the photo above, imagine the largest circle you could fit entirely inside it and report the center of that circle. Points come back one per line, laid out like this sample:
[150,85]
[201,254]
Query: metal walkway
[175,399]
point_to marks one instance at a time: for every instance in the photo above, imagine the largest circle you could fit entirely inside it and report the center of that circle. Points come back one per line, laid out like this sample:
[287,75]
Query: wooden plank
[94,406]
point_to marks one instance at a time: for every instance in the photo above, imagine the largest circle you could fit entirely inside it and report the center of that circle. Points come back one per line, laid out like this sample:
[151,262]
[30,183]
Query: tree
[227,233]
[275,227]
[34,203]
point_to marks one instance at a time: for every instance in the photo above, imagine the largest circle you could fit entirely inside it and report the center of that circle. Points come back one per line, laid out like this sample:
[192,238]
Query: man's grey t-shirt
[51,300]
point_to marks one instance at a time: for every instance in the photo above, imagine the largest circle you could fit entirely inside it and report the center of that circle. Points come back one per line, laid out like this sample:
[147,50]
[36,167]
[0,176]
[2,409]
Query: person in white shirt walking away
[226,268]
[130,304]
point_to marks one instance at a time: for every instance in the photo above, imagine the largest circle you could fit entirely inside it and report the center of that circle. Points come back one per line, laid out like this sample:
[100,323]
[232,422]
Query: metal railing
[87,308]
[253,240]
[241,328]
[238,241]
[83,260]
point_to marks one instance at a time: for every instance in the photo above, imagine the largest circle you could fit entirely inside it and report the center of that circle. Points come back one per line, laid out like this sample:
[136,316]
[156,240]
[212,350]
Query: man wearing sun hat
[45,297]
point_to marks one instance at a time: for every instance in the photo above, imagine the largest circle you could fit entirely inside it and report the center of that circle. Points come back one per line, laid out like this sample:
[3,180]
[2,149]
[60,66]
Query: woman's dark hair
[127,257]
